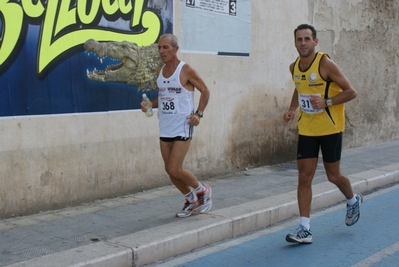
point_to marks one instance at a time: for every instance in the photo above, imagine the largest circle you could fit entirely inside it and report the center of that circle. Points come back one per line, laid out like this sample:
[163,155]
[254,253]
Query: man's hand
[289,115]
[143,107]
[317,102]
[194,119]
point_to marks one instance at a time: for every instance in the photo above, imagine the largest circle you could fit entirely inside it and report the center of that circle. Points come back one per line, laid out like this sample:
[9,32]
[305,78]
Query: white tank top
[175,103]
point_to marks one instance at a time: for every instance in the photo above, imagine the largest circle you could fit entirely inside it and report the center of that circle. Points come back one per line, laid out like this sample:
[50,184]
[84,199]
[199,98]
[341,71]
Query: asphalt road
[373,241]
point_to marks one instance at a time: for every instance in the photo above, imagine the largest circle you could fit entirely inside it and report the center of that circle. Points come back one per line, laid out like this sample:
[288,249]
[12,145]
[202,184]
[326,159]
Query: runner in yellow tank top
[320,121]
[321,90]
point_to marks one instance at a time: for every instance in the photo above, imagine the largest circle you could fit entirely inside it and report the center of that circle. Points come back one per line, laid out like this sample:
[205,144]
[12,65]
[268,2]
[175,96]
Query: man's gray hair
[173,37]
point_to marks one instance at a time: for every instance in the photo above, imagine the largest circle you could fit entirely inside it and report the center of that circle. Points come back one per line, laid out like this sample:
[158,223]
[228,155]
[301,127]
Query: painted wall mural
[54,53]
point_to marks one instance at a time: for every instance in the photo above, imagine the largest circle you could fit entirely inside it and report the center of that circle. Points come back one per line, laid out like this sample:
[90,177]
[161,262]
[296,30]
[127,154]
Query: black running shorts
[172,139]
[331,147]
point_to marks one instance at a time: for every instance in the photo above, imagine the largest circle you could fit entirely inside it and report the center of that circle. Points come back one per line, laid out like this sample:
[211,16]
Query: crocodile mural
[137,68]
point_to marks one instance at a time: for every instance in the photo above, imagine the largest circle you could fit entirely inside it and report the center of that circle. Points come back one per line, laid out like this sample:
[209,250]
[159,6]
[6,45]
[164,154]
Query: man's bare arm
[333,73]
[196,81]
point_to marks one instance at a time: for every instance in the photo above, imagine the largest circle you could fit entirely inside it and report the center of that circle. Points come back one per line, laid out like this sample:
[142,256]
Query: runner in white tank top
[175,103]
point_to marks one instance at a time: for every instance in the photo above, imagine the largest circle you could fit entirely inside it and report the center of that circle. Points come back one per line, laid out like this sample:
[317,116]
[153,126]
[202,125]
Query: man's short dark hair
[306,26]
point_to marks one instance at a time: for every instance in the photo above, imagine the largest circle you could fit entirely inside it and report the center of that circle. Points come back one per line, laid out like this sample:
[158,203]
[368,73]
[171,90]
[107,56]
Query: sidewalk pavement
[141,228]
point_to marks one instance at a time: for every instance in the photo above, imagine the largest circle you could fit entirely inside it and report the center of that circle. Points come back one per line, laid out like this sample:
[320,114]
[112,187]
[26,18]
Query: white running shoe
[205,199]
[353,211]
[301,235]
[188,209]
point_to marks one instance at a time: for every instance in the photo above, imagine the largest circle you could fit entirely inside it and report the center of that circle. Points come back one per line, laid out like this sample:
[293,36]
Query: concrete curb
[101,254]
[183,236]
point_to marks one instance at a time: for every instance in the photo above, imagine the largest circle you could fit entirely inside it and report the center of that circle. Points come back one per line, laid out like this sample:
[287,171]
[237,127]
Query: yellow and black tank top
[317,122]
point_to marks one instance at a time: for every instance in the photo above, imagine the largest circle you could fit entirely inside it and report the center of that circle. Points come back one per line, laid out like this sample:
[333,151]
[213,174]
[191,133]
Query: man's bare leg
[185,181]
[334,176]
[306,171]
[342,182]
[173,154]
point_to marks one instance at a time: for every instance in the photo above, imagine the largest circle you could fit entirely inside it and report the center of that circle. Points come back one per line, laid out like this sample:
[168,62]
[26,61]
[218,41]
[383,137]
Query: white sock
[305,222]
[191,197]
[199,188]
[351,201]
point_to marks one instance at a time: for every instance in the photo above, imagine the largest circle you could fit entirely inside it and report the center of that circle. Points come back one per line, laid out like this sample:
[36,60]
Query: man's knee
[305,179]
[306,174]
[173,171]
[336,178]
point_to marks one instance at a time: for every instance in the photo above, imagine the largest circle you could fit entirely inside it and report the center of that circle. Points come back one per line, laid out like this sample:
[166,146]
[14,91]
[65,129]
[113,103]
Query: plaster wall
[49,162]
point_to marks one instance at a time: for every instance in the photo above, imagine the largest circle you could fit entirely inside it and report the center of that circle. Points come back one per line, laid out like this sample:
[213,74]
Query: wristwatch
[200,113]
[329,102]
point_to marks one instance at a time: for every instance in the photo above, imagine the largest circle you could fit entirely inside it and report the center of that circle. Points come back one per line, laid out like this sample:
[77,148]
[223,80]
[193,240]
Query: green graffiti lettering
[50,49]
[93,11]
[12,25]
[124,7]
[138,9]
[32,10]
[60,31]
[67,17]
[109,8]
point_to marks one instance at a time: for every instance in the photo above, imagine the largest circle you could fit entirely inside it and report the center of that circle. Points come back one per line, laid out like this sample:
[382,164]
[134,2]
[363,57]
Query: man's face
[166,50]
[304,42]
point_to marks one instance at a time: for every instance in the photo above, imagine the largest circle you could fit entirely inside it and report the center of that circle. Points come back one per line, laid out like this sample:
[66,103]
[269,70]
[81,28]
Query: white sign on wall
[220,6]
[221,27]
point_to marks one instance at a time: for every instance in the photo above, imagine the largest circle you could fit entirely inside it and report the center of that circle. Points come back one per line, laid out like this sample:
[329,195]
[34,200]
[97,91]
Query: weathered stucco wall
[362,37]
[48,162]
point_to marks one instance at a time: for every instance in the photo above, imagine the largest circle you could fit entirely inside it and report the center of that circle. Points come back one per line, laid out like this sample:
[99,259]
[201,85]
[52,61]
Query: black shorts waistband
[172,139]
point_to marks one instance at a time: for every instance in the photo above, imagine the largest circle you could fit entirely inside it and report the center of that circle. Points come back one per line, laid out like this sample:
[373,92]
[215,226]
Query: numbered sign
[228,7]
